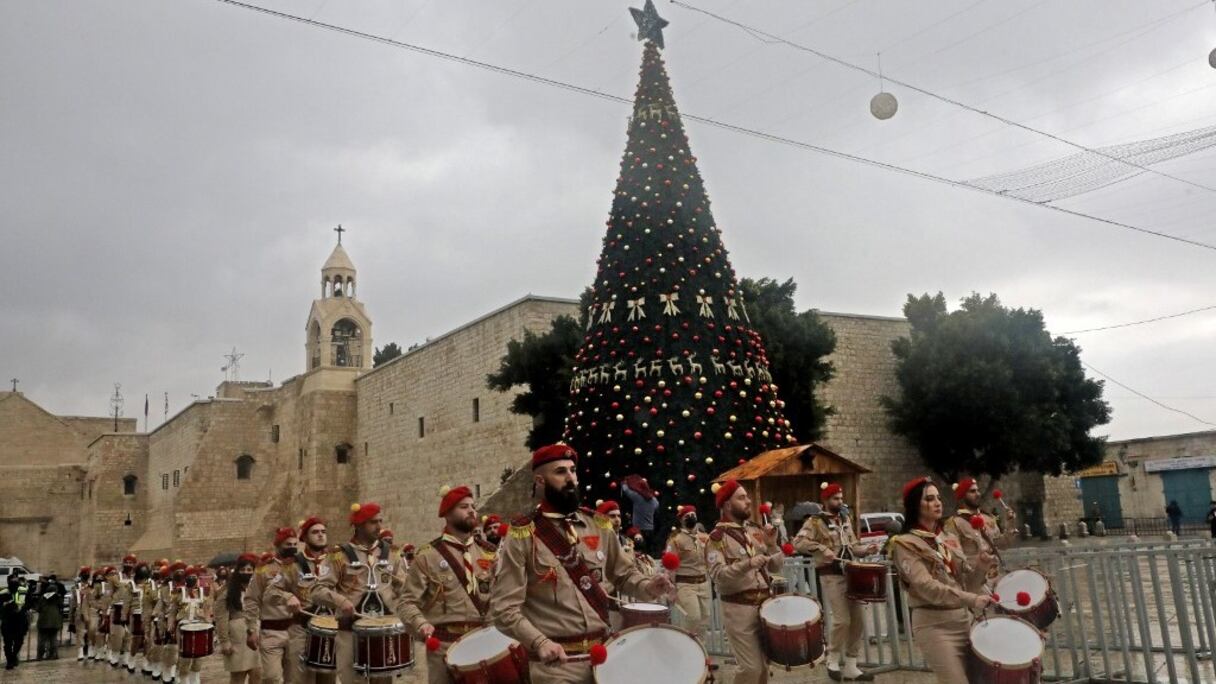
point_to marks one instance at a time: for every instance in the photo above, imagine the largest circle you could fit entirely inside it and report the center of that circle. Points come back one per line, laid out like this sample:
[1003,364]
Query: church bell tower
[339,331]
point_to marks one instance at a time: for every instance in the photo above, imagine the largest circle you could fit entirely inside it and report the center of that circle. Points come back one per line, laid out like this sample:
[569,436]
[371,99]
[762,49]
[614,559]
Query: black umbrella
[801,511]
[222,559]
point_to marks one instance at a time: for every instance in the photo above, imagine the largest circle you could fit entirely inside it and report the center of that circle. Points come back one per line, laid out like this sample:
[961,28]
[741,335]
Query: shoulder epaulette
[602,521]
[717,534]
[421,549]
[521,527]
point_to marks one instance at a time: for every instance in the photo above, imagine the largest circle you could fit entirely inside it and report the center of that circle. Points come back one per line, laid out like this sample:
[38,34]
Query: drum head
[658,653]
[194,626]
[386,624]
[790,611]
[480,644]
[1006,641]
[324,622]
[1030,581]
[646,607]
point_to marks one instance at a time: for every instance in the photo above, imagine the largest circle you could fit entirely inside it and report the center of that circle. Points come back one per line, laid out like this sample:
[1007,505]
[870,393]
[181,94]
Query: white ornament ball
[883,106]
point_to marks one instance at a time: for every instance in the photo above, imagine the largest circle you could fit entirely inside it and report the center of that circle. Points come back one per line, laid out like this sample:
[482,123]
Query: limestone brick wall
[438,383]
[1061,502]
[40,516]
[865,371]
[92,427]
[105,536]
[29,435]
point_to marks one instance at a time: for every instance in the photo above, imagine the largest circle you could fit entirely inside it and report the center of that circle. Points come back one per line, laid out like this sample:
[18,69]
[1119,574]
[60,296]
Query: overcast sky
[170,173]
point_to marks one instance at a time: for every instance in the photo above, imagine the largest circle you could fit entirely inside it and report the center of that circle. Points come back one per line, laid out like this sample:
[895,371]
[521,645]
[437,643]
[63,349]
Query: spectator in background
[48,602]
[13,622]
[644,503]
[1174,512]
[1212,518]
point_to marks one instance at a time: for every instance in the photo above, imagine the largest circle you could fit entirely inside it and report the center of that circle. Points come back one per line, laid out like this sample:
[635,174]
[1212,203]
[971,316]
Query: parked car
[11,565]
[875,527]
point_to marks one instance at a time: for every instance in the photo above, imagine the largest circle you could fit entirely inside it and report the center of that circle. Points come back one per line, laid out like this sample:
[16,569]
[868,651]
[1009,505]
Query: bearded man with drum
[447,588]
[292,588]
[741,557]
[692,577]
[267,618]
[358,565]
[557,609]
[825,537]
[976,531]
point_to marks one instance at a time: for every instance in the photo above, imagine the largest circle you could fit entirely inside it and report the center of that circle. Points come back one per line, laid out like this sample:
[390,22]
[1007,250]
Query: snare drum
[865,582]
[381,646]
[319,654]
[791,629]
[653,653]
[137,624]
[103,623]
[116,614]
[1005,650]
[634,614]
[1043,608]
[195,639]
[487,656]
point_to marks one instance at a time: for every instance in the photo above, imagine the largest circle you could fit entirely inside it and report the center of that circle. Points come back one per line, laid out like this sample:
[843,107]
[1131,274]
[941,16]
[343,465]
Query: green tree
[385,354]
[542,363]
[986,390]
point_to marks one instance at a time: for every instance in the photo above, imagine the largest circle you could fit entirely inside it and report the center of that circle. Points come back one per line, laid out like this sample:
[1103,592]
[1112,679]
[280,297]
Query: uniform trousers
[297,644]
[272,647]
[693,601]
[565,673]
[847,624]
[943,638]
[437,667]
[742,623]
[117,639]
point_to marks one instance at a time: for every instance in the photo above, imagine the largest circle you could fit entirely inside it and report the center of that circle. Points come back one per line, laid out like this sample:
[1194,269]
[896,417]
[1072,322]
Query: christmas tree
[671,381]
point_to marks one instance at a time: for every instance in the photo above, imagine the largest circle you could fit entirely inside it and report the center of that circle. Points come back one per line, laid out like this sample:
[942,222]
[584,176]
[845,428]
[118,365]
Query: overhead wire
[1145,321]
[1142,395]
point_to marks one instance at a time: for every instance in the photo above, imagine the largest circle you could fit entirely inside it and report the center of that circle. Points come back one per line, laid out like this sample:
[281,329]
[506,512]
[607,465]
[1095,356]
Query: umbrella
[801,511]
[225,558]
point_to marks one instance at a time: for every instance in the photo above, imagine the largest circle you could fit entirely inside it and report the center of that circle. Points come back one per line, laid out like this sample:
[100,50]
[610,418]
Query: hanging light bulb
[883,105]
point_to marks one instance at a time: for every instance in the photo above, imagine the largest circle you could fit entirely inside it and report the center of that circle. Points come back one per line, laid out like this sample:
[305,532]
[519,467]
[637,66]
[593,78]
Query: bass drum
[1005,650]
[653,653]
[487,656]
[791,629]
[1043,608]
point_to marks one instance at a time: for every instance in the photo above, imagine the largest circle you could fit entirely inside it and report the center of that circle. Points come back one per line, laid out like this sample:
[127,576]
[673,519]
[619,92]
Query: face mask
[690,521]
[142,574]
[244,577]
[191,580]
[288,552]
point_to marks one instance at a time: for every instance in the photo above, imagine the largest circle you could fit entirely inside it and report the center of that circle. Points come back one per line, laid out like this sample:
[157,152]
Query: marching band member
[825,536]
[190,603]
[164,614]
[80,611]
[240,661]
[741,557]
[447,588]
[266,621]
[692,577]
[142,586]
[123,597]
[933,574]
[293,587]
[977,532]
[154,628]
[346,584]
[558,609]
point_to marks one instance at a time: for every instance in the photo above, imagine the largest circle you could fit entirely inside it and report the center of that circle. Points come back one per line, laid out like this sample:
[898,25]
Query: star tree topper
[650,24]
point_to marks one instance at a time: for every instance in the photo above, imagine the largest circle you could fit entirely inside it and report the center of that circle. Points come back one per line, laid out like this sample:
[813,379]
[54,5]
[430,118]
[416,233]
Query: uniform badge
[584,582]
[483,586]
[485,563]
[593,542]
[599,555]
[598,575]
[443,565]
[714,557]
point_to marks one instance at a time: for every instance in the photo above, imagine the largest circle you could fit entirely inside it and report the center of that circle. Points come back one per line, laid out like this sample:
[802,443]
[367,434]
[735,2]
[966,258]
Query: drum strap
[458,567]
[740,536]
[572,562]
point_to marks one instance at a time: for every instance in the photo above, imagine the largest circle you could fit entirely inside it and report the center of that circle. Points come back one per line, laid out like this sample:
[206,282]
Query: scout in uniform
[547,593]
[240,661]
[98,605]
[293,588]
[190,603]
[123,596]
[344,589]
[692,577]
[825,537]
[976,531]
[447,588]
[141,586]
[266,620]
[80,611]
[153,627]
[492,528]
[164,615]
[933,577]
[741,557]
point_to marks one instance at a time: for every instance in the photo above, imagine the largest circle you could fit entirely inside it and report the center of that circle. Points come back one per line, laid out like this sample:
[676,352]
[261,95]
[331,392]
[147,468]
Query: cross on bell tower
[339,230]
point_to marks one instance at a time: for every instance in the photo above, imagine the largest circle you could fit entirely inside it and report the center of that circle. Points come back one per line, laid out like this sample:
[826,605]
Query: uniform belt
[579,644]
[278,625]
[451,631]
[690,579]
[928,607]
[829,569]
[751,597]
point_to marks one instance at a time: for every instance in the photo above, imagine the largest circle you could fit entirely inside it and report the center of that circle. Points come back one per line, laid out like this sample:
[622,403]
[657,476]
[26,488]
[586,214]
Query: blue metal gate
[1191,489]
[1100,497]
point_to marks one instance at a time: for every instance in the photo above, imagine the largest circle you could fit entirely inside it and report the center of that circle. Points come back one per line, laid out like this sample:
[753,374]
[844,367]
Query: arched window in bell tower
[346,344]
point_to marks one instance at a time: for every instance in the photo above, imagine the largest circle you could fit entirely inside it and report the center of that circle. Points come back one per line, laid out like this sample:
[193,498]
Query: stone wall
[105,535]
[438,383]
[40,516]
[31,436]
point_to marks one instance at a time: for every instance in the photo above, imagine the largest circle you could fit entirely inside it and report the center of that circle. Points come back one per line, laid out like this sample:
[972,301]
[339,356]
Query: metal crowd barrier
[1129,612]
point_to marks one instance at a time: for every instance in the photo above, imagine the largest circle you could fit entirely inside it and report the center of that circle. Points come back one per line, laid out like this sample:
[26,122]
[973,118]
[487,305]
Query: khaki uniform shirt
[931,570]
[690,548]
[164,595]
[434,595]
[258,603]
[290,581]
[973,541]
[824,532]
[223,614]
[103,595]
[729,562]
[349,581]
[179,606]
[533,598]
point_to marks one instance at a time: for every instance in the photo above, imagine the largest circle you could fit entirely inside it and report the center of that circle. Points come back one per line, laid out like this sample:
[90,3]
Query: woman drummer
[240,661]
[933,575]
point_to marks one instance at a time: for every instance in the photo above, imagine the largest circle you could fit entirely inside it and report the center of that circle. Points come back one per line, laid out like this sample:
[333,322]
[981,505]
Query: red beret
[266,557]
[247,558]
[386,534]
[163,561]
[553,452]
[85,570]
[177,565]
[452,497]
[193,571]
[684,510]
[725,491]
[912,484]
[407,547]
[632,532]
[361,513]
[108,570]
[827,491]
[129,559]
[490,520]
[607,507]
[283,534]
[960,489]
[309,524]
